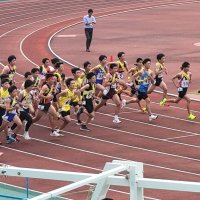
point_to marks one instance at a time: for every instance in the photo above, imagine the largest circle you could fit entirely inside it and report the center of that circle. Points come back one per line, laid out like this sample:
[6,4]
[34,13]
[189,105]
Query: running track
[169,147]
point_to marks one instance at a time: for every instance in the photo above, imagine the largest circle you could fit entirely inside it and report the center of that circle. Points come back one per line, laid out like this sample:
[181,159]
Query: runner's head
[90,12]
[139,62]
[103,59]
[12,60]
[54,61]
[91,77]
[35,72]
[121,56]
[28,76]
[51,78]
[12,91]
[76,72]
[113,67]
[87,66]
[28,85]
[161,58]
[185,66]
[5,83]
[147,63]
[70,83]
[59,66]
[45,62]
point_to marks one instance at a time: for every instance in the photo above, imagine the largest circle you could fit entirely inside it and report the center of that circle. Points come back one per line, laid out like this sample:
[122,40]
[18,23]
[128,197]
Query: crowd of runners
[47,90]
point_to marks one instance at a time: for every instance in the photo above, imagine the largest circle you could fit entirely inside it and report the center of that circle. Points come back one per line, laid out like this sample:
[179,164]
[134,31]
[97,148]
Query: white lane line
[150,124]
[186,136]
[125,145]
[197,44]
[66,36]
[105,155]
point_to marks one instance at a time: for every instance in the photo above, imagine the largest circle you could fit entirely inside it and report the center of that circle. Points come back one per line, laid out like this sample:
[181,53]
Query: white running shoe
[116,120]
[152,117]
[26,135]
[123,103]
[55,134]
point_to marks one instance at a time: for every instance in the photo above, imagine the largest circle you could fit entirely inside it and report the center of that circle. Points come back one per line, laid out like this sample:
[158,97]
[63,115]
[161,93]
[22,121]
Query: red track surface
[169,147]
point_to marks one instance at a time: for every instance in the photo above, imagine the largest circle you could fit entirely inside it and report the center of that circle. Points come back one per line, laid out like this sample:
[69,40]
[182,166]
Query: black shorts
[157,81]
[65,113]
[44,107]
[133,90]
[1,120]
[182,93]
[89,105]
[142,95]
[110,94]
[74,104]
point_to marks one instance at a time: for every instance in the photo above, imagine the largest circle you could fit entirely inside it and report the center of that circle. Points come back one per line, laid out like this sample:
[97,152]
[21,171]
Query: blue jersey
[100,74]
[143,82]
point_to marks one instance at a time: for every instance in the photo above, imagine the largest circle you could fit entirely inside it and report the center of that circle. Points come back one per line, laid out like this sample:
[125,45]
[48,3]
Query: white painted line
[186,136]
[197,44]
[66,36]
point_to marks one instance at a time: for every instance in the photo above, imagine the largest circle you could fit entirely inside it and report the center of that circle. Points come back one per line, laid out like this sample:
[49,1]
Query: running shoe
[26,135]
[10,140]
[191,116]
[14,135]
[144,109]
[152,117]
[55,134]
[84,128]
[163,102]
[116,120]
[79,123]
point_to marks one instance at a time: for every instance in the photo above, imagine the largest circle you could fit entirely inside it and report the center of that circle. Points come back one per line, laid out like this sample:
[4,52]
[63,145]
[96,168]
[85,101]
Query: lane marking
[197,44]
[66,36]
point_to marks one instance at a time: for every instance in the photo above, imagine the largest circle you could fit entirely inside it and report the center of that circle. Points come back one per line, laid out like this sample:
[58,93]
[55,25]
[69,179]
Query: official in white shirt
[89,22]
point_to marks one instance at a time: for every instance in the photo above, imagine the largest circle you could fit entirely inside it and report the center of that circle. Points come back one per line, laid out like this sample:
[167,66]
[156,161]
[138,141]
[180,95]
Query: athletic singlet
[113,85]
[27,99]
[88,93]
[185,80]
[4,94]
[101,72]
[159,67]
[11,72]
[77,85]
[35,82]
[143,82]
[122,66]
[49,92]
[13,102]
[64,101]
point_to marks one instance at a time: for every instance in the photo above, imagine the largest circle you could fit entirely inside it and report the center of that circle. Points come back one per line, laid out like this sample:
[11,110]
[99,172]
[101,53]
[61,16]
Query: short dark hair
[55,60]
[138,60]
[112,65]
[48,75]
[4,76]
[27,74]
[101,57]
[44,60]
[90,11]
[4,81]
[68,81]
[146,60]
[75,69]
[160,55]
[185,65]
[85,64]
[11,58]
[90,75]
[12,88]
[28,83]
[57,65]
[34,70]
[119,55]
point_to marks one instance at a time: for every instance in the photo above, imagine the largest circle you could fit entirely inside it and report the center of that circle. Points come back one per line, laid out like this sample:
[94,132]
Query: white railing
[133,179]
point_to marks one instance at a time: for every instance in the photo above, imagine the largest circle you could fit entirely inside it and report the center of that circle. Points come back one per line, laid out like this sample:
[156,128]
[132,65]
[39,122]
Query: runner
[184,79]
[159,72]
[87,101]
[10,115]
[26,108]
[144,79]
[123,66]
[10,69]
[64,99]
[45,105]
[111,83]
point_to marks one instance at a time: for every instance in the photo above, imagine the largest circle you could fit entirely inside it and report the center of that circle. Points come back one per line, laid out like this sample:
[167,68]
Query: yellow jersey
[64,101]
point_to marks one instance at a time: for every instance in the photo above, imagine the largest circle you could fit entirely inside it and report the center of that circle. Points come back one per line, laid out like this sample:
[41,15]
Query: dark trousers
[88,34]
[24,116]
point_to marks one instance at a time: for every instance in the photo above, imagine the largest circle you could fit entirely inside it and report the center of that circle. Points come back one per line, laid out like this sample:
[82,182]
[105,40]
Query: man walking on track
[89,22]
